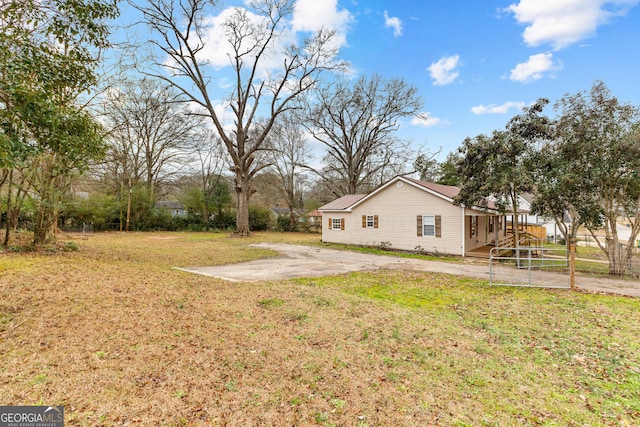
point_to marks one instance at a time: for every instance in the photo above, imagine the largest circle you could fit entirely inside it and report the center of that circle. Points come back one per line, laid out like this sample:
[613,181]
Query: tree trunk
[571,242]
[8,223]
[293,223]
[616,258]
[516,227]
[45,223]
[243,194]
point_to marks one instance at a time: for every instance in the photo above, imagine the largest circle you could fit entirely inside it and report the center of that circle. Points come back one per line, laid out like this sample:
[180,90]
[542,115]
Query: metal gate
[533,266]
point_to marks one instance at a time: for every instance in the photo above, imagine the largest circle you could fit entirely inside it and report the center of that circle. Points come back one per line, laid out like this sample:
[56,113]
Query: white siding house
[411,215]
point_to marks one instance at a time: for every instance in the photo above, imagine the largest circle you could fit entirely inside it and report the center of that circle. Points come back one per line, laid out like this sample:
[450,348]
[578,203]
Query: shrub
[70,247]
[260,218]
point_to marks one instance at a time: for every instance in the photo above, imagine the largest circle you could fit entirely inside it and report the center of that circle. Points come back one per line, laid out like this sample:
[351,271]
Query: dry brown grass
[118,337]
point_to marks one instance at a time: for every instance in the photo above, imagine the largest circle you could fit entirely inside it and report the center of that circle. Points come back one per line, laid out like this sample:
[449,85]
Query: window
[473,226]
[429,225]
[336,224]
[369,221]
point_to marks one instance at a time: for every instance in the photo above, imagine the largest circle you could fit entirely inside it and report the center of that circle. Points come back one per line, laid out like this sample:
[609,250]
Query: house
[315,218]
[278,212]
[413,215]
[172,207]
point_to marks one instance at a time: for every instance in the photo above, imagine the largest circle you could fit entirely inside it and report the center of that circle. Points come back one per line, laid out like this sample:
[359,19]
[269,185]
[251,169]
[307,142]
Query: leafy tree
[427,166]
[499,166]
[356,123]
[214,187]
[252,37]
[261,218]
[201,204]
[591,170]
[48,54]
[449,174]
[98,209]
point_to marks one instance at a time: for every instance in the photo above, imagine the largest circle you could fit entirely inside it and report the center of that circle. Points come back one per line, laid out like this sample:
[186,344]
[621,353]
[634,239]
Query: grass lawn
[118,337]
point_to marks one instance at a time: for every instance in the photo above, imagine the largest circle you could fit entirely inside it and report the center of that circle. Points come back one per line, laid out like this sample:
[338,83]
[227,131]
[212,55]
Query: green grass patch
[113,333]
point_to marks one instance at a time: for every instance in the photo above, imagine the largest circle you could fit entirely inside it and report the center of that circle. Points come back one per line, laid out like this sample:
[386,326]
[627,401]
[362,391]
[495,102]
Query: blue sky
[476,63]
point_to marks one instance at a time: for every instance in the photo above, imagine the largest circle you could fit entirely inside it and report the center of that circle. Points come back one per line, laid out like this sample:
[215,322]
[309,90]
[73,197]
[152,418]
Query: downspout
[463,233]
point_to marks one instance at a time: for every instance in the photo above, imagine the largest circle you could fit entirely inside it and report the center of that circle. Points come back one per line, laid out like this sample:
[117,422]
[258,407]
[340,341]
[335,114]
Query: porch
[529,237]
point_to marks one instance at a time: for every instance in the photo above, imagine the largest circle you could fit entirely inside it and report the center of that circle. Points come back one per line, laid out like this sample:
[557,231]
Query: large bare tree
[356,123]
[256,37]
[288,154]
[150,135]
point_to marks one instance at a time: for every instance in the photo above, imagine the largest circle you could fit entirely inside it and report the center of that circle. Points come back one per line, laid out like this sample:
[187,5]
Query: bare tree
[427,166]
[253,35]
[289,152]
[150,135]
[356,123]
[210,156]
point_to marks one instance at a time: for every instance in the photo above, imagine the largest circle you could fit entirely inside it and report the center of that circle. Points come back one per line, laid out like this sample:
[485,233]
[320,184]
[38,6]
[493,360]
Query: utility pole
[120,202]
[129,206]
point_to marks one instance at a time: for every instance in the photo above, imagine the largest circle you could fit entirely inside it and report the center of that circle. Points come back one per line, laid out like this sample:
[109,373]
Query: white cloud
[312,15]
[425,119]
[393,22]
[308,16]
[444,71]
[534,68]
[497,109]
[564,22]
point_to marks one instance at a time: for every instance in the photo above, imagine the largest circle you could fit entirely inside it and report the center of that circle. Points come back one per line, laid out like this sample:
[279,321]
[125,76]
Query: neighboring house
[551,230]
[285,212]
[172,207]
[524,202]
[314,218]
[408,214]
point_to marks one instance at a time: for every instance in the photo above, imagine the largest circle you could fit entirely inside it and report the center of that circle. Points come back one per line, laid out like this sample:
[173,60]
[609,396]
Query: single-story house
[174,208]
[408,214]
[314,221]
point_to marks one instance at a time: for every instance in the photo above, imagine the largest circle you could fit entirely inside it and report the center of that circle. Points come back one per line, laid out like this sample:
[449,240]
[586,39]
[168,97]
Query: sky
[477,63]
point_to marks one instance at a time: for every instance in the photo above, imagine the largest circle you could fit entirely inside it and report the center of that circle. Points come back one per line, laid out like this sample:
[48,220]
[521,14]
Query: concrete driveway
[309,261]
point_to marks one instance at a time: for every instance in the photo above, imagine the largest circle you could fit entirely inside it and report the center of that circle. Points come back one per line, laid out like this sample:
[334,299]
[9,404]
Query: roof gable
[350,201]
[446,192]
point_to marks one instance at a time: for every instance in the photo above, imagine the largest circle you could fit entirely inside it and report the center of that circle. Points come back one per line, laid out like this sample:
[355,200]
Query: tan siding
[483,237]
[397,210]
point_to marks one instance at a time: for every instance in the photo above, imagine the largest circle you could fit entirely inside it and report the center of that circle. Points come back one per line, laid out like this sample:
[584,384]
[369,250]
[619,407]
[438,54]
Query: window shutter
[364,221]
[470,226]
[330,223]
[341,223]
[419,221]
[438,226]
[375,221]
